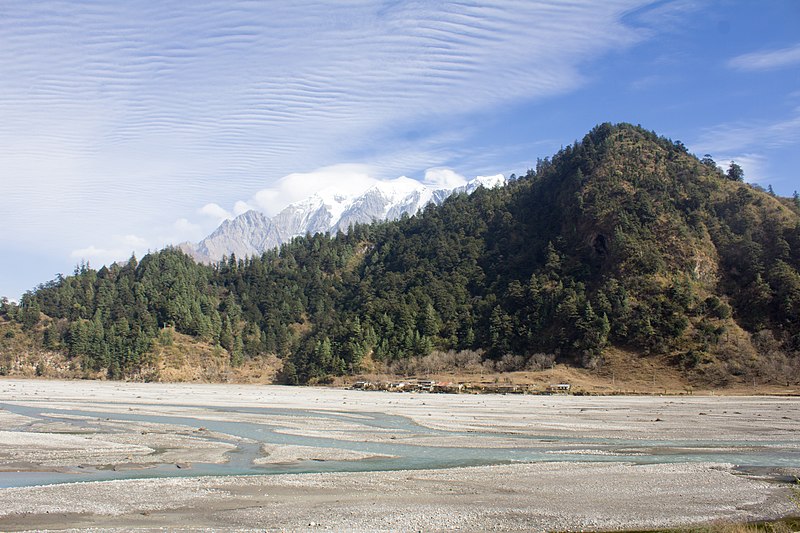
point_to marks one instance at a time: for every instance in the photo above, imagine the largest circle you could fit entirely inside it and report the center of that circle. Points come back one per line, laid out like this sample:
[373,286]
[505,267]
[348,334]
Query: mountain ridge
[621,243]
[327,211]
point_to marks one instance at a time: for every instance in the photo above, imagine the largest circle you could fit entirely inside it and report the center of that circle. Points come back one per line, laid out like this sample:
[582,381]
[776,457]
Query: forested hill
[623,240]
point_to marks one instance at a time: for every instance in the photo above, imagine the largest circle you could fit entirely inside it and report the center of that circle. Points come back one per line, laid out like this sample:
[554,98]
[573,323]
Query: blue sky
[126,126]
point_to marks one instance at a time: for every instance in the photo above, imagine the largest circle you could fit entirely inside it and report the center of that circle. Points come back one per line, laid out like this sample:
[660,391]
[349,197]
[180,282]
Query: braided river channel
[754,435]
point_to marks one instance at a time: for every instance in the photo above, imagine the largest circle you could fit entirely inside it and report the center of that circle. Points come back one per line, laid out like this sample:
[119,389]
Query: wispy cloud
[649,81]
[754,166]
[121,117]
[746,143]
[767,60]
[742,136]
[345,178]
[216,212]
[121,248]
[443,178]
[668,15]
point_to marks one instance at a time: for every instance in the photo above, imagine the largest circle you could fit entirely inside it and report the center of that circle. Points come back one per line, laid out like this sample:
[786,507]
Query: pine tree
[709,161]
[226,334]
[735,172]
[430,322]
[30,311]
[237,350]
[499,332]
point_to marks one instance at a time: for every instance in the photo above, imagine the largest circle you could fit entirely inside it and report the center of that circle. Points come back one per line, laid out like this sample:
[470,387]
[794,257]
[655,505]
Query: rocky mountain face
[253,232]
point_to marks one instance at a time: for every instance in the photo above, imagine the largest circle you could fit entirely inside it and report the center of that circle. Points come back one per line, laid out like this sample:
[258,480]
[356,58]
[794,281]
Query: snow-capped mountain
[253,232]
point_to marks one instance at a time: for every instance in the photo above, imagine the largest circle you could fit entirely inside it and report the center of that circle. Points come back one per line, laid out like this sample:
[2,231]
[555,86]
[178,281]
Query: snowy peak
[307,216]
[397,189]
[487,182]
[333,201]
[386,200]
[329,210]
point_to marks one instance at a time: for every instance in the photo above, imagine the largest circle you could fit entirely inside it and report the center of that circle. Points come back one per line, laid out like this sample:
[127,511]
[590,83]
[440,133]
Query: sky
[129,126]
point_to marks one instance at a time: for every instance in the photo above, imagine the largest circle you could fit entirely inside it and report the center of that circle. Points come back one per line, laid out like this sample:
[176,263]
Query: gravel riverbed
[521,497]
[560,495]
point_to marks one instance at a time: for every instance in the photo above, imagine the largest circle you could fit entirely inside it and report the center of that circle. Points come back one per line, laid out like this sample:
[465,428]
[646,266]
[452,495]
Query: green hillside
[621,240]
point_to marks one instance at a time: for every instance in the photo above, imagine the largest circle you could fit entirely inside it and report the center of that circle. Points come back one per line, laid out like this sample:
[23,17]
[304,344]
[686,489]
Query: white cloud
[240,207]
[119,249]
[123,99]
[749,143]
[650,81]
[89,253]
[740,136]
[182,230]
[443,178]
[753,165]
[132,114]
[667,16]
[134,241]
[215,211]
[767,60]
[345,179]
[184,227]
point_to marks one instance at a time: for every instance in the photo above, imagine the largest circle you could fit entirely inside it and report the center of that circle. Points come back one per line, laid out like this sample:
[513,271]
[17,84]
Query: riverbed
[72,453]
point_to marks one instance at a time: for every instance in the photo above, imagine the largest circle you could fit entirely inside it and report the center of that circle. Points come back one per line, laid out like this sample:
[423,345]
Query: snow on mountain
[386,200]
[487,182]
[252,233]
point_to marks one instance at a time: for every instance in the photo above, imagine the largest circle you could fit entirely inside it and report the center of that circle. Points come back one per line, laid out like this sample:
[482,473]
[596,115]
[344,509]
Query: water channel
[406,455]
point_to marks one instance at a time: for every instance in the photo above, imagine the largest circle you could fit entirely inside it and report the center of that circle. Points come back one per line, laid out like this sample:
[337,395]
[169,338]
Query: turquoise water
[406,456]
